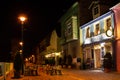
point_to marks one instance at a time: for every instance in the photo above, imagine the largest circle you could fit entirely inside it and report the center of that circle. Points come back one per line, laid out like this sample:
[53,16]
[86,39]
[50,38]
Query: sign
[109,33]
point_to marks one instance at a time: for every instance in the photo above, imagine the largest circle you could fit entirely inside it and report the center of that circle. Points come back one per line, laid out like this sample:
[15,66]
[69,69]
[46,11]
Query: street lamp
[21,44]
[22,19]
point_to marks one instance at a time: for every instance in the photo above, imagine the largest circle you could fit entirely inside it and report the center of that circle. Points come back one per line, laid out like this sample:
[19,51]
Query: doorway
[97,58]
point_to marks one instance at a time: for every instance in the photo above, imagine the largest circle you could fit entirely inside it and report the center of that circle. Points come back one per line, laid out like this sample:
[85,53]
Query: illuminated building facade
[98,38]
[69,35]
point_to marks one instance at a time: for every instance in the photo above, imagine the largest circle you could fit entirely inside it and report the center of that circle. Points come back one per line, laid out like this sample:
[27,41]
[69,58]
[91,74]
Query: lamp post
[21,50]
[22,19]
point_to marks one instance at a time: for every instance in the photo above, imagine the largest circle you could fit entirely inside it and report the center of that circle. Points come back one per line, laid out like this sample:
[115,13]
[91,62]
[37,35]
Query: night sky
[42,18]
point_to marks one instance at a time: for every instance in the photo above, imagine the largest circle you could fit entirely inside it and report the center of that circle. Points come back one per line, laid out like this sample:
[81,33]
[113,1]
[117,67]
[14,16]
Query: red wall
[118,55]
[116,10]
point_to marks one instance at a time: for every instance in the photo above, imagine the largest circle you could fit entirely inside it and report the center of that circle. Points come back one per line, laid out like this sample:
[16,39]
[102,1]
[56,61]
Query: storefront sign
[109,33]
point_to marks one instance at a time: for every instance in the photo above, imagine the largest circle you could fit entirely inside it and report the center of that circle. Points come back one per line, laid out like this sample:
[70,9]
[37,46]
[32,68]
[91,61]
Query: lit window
[97,29]
[69,28]
[108,23]
[88,33]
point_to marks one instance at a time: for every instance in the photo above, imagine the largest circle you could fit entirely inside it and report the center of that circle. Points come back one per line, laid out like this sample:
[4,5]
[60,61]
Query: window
[68,30]
[97,29]
[108,23]
[88,33]
[69,26]
[96,10]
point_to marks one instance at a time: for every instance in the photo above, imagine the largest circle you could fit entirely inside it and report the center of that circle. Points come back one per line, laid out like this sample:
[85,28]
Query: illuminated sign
[109,33]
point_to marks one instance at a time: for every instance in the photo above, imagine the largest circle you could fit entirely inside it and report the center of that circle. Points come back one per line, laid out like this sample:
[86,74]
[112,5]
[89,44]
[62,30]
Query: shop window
[97,29]
[108,24]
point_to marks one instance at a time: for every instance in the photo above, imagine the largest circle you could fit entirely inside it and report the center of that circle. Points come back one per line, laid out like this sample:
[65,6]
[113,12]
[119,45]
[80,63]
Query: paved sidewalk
[70,74]
[93,75]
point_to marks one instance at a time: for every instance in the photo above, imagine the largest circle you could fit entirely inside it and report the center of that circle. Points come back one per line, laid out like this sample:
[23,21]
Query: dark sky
[42,18]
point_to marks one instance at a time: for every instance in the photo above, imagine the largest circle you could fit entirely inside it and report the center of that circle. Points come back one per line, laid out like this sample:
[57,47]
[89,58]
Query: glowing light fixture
[22,19]
[109,33]
[21,43]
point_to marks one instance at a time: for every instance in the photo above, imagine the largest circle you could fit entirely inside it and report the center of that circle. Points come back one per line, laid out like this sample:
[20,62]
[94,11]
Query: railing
[6,70]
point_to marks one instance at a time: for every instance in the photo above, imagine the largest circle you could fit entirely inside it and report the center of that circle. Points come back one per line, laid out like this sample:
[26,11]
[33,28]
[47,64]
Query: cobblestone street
[70,74]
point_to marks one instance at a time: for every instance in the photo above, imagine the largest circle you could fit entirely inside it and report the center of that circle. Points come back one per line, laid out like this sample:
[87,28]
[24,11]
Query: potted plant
[107,62]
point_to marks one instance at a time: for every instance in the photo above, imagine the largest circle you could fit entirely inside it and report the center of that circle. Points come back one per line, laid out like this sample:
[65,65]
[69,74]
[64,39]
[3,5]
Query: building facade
[93,34]
[98,38]
[53,51]
[49,49]
[116,11]
[69,35]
